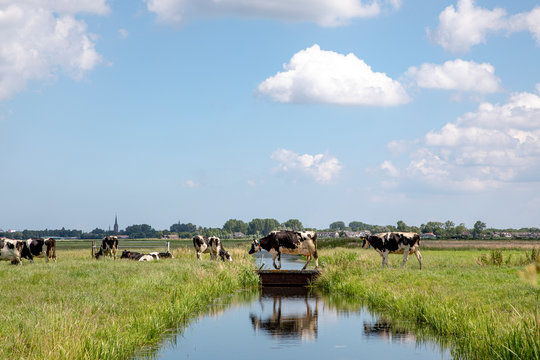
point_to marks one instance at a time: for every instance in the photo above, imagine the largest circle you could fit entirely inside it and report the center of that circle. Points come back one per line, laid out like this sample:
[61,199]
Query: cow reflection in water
[386,330]
[284,324]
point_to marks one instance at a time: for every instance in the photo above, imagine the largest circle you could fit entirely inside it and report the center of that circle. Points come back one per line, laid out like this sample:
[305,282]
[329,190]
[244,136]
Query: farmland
[83,308]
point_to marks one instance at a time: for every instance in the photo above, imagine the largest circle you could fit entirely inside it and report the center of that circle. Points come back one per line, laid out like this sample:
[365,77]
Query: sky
[166,111]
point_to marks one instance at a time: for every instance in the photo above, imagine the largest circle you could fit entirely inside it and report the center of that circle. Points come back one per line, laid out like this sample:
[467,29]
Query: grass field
[480,310]
[80,308]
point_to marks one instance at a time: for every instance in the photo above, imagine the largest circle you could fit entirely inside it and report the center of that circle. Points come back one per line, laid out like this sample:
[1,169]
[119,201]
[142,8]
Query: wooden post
[93,242]
[168,246]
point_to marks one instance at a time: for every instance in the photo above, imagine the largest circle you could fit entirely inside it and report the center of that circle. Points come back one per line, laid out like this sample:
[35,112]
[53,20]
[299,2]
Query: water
[292,323]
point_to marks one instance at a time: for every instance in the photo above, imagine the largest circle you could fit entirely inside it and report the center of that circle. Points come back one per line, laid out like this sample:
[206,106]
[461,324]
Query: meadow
[472,301]
[469,300]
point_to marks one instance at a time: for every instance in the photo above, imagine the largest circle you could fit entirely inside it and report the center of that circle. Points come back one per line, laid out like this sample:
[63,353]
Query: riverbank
[80,308]
[480,311]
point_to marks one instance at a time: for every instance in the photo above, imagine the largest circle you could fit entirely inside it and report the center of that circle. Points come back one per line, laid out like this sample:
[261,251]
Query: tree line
[262,227]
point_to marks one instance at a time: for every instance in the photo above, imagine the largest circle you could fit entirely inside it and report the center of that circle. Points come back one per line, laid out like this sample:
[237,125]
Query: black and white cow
[212,245]
[40,248]
[288,242]
[395,243]
[109,246]
[133,255]
[12,250]
[163,255]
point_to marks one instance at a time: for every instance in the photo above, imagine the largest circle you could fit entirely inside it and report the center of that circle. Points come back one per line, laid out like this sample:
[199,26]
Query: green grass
[479,311]
[80,308]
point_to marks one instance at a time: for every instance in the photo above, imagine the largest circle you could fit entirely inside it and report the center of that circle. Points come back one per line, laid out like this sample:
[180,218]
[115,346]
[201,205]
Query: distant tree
[233,225]
[358,225]
[179,227]
[338,225]
[479,226]
[460,230]
[293,224]
[141,231]
[449,228]
[262,227]
[401,226]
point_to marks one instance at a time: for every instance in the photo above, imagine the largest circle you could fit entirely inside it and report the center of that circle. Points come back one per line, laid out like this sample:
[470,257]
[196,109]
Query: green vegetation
[480,311]
[80,308]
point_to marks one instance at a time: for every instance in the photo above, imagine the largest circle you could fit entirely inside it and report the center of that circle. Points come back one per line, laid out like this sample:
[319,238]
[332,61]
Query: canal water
[292,323]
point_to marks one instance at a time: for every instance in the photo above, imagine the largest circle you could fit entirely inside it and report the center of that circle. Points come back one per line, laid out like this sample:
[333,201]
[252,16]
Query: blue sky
[201,111]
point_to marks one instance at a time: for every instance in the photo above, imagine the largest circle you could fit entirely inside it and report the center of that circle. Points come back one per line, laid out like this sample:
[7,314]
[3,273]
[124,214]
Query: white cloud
[41,37]
[389,168]
[495,146]
[469,25]
[191,184]
[322,12]
[123,33]
[321,167]
[318,76]
[456,75]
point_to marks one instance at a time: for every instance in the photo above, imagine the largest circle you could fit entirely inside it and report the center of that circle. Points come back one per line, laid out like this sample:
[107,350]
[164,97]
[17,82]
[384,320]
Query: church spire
[115,224]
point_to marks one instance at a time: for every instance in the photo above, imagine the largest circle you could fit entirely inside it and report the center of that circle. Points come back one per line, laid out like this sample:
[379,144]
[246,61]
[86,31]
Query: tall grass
[80,308]
[479,312]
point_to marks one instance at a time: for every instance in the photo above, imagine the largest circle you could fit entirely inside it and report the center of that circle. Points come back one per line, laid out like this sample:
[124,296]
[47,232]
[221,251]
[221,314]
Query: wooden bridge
[288,277]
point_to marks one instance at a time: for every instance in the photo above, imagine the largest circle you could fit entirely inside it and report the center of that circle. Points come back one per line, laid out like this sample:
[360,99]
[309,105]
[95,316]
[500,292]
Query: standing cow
[40,248]
[109,246]
[212,245]
[395,243]
[12,250]
[288,242]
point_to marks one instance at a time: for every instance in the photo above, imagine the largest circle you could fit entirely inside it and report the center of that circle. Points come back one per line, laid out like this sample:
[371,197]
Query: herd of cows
[276,243]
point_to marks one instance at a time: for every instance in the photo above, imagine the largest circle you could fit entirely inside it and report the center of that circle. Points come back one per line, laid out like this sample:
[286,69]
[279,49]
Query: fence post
[93,242]
[168,247]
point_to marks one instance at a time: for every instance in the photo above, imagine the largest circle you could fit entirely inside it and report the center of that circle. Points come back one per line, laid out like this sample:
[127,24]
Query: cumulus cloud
[123,33]
[322,12]
[456,75]
[496,145]
[323,168]
[41,37]
[318,76]
[469,25]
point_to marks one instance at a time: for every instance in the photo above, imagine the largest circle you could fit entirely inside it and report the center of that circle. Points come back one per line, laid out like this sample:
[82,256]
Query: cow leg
[308,257]
[419,257]
[405,256]
[316,257]
[274,256]
[279,260]
[385,259]
[199,255]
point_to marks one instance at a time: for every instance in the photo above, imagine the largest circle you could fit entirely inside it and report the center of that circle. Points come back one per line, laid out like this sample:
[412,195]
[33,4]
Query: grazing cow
[395,243]
[212,245]
[12,250]
[40,248]
[288,242]
[109,246]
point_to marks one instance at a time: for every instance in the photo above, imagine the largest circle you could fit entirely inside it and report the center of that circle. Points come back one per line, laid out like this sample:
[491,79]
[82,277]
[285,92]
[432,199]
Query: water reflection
[294,323]
[292,315]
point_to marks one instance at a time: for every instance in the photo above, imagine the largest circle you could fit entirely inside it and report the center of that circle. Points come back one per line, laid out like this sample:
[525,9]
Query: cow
[12,250]
[395,243]
[288,242]
[163,255]
[40,248]
[133,255]
[212,245]
[109,246]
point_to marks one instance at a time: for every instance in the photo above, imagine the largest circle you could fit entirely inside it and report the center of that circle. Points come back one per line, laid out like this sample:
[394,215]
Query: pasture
[83,308]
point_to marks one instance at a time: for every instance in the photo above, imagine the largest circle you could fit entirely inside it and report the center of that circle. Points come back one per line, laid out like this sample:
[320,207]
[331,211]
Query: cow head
[255,246]
[365,242]
[99,253]
[125,254]
[225,255]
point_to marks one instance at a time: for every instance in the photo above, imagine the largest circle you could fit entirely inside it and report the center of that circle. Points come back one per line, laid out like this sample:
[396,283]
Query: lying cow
[212,245]
[12,250]
[40,248]
[288,242]
[395,243]
[133,255]
[163,255]
[109,246]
